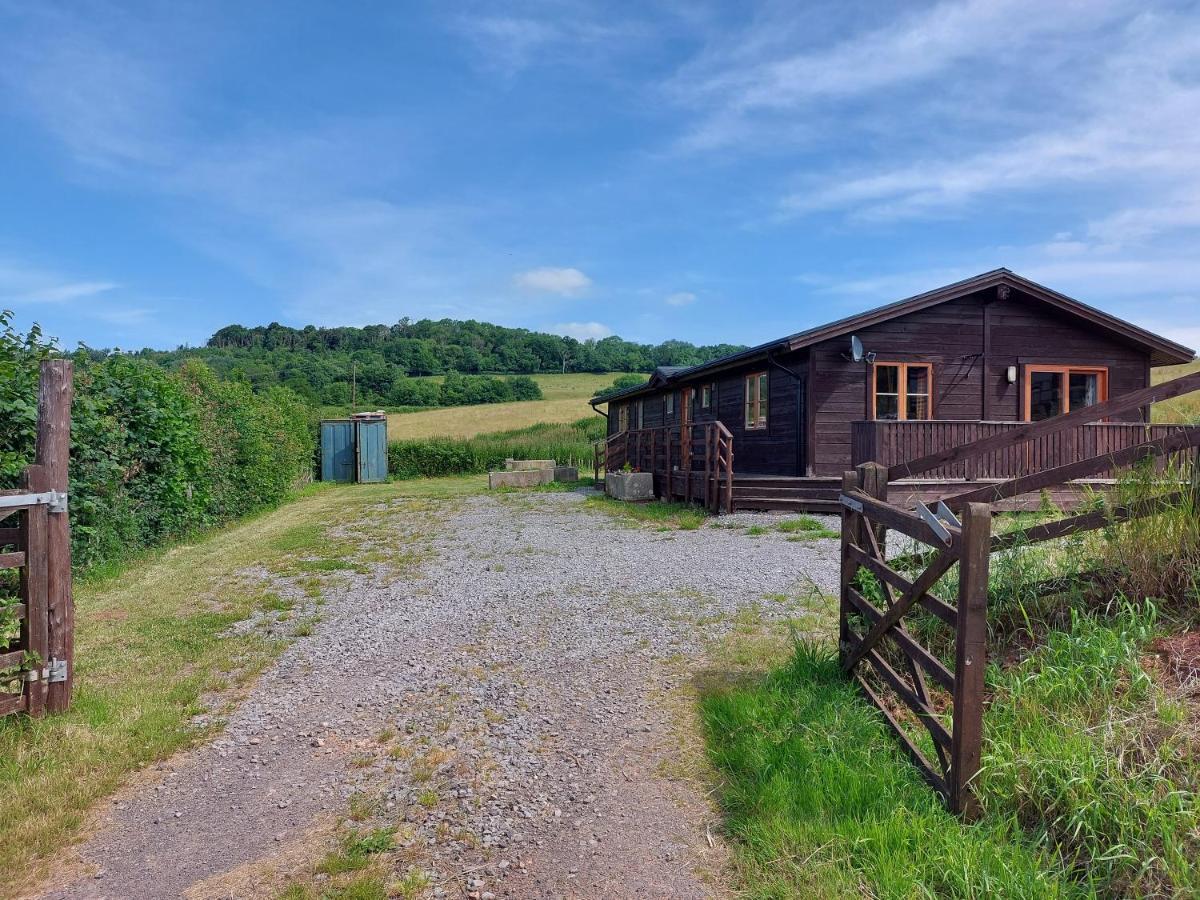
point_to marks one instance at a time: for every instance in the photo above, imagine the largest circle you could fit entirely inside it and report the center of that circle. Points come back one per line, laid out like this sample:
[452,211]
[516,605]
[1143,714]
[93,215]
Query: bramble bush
[155,455]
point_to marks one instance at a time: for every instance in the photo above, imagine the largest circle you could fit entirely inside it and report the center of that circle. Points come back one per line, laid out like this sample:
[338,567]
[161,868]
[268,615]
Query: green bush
[437,457]
[154,454]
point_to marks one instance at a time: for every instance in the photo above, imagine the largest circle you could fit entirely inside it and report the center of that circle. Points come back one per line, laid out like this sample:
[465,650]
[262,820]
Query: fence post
[873,481]
[970,656]
[53,454]
[850,525]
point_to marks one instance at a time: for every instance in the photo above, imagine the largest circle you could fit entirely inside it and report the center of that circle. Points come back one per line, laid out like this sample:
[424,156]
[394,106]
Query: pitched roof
[1163,352]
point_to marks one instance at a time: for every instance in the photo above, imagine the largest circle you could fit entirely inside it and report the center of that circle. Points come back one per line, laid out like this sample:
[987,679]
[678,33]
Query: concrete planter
[629,486]
[566,473]
[520,478]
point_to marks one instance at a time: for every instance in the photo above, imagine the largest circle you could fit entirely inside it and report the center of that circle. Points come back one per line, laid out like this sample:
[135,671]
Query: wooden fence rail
[40,659]
[884,657]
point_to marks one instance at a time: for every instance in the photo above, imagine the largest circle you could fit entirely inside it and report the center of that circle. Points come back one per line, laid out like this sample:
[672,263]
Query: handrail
[674,446]
[1144,397]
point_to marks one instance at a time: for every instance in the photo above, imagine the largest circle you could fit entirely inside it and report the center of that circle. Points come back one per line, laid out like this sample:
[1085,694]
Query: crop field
[1181,409]
[565,400]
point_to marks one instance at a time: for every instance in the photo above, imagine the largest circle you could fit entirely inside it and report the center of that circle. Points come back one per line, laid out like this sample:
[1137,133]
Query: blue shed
[354,449]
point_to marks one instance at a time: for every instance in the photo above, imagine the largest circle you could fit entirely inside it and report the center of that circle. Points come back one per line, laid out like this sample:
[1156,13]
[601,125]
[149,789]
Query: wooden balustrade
[894,443]
[689,462]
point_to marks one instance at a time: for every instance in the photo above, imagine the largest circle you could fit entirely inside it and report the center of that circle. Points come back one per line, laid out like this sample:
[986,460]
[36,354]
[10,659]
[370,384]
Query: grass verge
[154,646]
[684,516]
[819,802]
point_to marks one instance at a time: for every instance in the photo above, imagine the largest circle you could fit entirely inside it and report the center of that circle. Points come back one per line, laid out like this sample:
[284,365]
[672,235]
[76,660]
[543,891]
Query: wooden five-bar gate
[946,696]
[36,666]
[693,463]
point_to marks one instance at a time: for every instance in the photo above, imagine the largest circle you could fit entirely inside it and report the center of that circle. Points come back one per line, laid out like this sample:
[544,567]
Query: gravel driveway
[504,705]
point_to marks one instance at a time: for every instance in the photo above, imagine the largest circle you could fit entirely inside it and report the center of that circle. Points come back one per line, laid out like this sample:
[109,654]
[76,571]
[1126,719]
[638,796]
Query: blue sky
[706,171]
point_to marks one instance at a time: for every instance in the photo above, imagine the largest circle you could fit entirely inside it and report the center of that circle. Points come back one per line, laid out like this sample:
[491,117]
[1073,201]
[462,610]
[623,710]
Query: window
[638,415]
[706,396]
[756,400]
[669,404]
[1053,390]
[902,391]
[623,417]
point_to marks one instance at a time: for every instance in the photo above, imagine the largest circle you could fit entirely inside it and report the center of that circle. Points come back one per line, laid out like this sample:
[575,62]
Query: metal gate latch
[57,671]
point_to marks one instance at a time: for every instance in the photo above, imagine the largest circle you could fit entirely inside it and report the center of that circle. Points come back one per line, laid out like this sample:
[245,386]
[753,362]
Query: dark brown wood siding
[1020,331]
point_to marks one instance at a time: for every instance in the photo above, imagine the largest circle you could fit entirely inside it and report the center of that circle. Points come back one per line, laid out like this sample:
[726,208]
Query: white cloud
[566,282]
[20,283]
[681,298]
[582,331]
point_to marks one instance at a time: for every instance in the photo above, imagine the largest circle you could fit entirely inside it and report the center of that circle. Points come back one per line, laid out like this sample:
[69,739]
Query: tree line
[380,362]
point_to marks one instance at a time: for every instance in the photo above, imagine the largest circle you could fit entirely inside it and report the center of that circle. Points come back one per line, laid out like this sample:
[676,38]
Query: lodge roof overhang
[1162,351]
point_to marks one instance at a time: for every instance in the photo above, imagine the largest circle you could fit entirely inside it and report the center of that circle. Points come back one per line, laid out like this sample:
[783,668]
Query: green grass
[684,516]
[569,444]
[819,802]
[806,528]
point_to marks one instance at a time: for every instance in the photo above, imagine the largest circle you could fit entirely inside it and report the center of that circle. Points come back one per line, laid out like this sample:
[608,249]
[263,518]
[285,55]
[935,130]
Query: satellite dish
[856,348]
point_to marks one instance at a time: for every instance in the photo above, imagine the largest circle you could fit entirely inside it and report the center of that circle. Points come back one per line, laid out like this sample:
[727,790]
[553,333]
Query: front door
[686,397]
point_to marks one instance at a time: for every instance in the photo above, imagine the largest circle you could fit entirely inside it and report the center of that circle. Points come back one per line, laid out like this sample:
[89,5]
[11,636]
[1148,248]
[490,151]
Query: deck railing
[689,462]
[893,443]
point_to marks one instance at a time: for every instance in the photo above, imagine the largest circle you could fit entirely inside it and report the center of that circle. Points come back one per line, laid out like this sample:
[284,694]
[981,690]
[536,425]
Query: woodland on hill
[320,364]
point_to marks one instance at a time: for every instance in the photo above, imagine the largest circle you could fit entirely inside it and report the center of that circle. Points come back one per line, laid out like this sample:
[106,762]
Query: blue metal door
[337,450]
[372,450]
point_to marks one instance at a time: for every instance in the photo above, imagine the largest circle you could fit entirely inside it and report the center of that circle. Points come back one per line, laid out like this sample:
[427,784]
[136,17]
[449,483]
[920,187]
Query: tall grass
[820,803]
[435,457]
[1089,757]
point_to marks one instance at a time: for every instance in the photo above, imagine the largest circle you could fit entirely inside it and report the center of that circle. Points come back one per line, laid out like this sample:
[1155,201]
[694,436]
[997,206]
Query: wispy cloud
[547,32]
[681,298]
[24,284]
[582,331]
[566,282]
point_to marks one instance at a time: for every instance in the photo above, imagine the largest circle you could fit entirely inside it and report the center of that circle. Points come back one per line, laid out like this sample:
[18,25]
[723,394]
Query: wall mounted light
[1012,374]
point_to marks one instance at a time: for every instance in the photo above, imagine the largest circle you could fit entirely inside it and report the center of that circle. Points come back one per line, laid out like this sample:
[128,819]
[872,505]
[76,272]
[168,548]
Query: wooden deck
[820,494]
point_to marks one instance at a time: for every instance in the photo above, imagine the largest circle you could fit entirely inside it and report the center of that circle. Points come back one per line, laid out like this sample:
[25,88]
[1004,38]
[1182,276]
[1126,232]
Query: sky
[712,172]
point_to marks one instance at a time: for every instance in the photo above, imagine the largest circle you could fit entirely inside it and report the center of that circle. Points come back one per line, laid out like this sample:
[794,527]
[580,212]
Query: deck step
[815,492]
[781,504]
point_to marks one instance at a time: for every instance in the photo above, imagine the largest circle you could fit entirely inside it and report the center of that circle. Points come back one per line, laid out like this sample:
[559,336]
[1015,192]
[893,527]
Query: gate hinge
[58,501]
[57,671]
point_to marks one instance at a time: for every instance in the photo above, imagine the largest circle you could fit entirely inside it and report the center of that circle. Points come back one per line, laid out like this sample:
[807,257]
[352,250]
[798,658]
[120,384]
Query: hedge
[155,455]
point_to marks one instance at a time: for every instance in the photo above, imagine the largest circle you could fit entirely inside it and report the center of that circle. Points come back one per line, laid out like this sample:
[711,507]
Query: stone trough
[526,473]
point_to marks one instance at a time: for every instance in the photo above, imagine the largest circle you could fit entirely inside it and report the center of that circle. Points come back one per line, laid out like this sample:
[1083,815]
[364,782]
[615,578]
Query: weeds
[684,516]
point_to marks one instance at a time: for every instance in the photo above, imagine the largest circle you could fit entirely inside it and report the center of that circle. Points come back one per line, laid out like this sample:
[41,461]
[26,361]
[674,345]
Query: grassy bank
[1089,775]
[437,457]
[154,642]
[1181,409]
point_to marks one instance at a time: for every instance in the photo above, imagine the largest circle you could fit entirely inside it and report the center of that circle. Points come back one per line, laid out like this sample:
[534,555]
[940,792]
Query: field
[566,400]
[1181,409]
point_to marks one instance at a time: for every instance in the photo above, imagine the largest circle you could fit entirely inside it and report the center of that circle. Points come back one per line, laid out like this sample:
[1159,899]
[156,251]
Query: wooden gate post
[970,656]
[851,522]
[53,454]
[873,481]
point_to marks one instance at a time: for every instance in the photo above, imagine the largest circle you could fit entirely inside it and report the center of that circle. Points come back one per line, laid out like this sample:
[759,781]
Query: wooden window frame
[640,415]
[623,418]
[901,387]
[1065,373]
[707,390]
[668,404]
[762,418]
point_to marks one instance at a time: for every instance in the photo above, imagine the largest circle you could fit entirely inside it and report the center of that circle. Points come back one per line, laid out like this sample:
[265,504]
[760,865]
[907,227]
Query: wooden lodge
[775,426]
